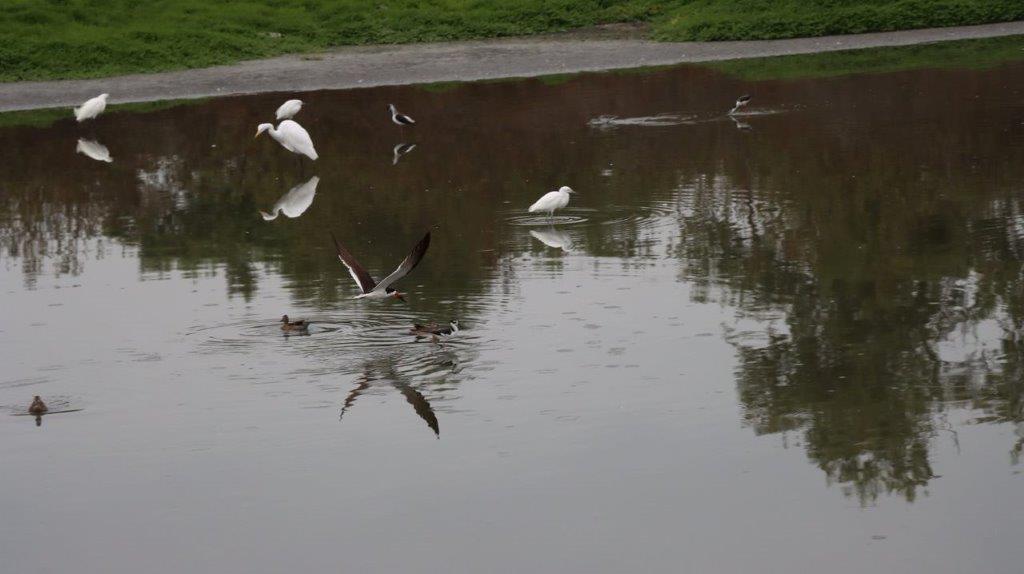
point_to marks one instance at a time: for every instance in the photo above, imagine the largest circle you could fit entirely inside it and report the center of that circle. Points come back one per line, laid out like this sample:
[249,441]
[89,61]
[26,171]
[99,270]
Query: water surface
[789,340]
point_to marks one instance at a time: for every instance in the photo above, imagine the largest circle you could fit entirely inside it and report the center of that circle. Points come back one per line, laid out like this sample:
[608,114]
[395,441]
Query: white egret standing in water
[295,202]
[552,200]
[740,102]
[289,109]
[91,108]
[291,136]
[94,150]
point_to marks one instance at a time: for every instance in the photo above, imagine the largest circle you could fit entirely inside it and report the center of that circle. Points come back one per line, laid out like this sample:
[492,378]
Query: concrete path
[456,61]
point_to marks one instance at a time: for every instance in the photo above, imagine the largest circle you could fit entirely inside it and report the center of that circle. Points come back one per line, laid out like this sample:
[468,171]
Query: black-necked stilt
[367,285]
[400,150]
[291,136]
[400,119]
[91,108]
[288,109]
[300,326]
[295,202]
[740,102]
[552,200]
[435,330]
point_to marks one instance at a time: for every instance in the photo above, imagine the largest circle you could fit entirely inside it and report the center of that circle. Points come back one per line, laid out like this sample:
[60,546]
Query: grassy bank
[770,19]
[48,39]
[969,54]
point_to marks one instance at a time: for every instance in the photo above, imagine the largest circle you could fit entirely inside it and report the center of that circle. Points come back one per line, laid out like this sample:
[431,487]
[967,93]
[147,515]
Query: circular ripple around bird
[569,216]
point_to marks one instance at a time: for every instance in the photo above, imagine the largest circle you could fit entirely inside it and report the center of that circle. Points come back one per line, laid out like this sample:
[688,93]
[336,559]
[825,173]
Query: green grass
[982,53]
[43,39]
[769,19]
[49,39]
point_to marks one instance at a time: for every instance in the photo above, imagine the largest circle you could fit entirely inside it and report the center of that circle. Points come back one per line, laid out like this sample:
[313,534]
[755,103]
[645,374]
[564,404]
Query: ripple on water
[345,342]
[660,120]
[638,216]
[568,216]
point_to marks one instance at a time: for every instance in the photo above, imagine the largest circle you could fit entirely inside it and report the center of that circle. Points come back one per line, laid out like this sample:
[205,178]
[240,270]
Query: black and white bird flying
[370,288]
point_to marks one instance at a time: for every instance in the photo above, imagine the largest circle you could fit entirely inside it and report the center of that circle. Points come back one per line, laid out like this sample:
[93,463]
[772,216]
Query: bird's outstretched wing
[420,405]
[410,263]
[359,275]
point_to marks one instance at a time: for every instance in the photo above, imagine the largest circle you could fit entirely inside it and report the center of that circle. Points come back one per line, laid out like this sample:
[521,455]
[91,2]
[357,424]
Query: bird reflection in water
[383,372]
[295,202]
[741,125]
[555,238]
[93,149]
[400,150]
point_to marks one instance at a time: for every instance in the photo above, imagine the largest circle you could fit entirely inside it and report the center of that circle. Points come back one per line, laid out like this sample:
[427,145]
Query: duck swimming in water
[38,407]
[300,326]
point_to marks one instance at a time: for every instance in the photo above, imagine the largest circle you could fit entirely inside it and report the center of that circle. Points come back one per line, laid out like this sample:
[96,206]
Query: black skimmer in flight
[372,289]
[740,102]
[400,119]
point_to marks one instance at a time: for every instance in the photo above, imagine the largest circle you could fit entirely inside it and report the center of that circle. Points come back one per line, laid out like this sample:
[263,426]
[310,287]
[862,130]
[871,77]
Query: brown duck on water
[300,326]
[38,407]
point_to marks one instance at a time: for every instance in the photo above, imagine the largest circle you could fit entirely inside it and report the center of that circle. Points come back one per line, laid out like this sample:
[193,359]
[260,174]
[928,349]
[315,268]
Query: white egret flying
[295,202]
[291,136]
[367,285]
[91,108]
[94,150]
[289,109]
[740,102]
[400,119]
[552,200]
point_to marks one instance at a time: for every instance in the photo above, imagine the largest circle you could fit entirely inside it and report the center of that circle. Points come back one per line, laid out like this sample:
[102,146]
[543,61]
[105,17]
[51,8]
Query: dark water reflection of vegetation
[880,217]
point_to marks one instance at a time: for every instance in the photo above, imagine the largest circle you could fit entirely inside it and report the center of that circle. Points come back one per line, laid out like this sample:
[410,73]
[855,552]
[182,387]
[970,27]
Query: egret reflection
[555,238]
[295,202]
[93,149]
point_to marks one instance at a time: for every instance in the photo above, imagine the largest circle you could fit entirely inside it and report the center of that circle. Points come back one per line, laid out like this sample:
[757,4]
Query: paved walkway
[455,61]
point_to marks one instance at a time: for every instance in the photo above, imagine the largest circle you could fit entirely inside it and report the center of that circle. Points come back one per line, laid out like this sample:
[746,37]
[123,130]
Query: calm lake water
[793,340]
